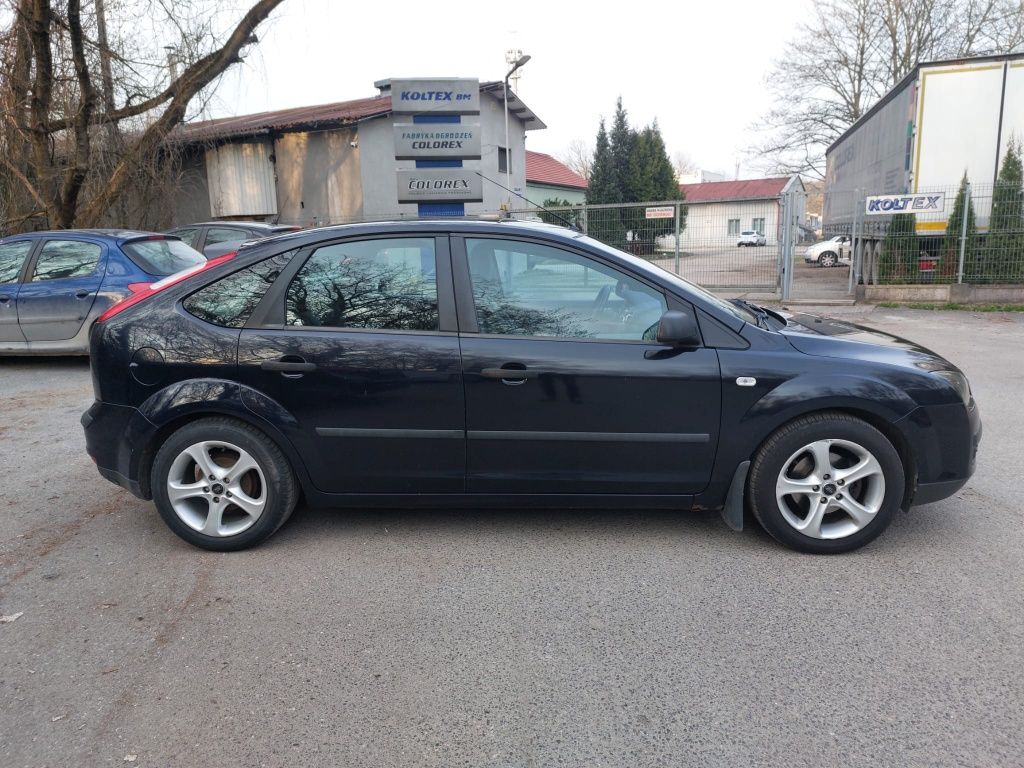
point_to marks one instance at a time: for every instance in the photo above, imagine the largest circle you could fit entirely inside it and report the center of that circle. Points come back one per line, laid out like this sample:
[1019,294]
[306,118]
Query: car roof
[239,224]
[118,235]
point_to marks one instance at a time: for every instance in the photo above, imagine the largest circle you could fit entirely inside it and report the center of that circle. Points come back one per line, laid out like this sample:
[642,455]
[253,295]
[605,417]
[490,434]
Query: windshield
[162,256]
[726,306]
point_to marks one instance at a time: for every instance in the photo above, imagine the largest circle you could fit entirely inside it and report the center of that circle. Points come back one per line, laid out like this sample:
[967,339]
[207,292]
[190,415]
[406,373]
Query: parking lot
[510,637]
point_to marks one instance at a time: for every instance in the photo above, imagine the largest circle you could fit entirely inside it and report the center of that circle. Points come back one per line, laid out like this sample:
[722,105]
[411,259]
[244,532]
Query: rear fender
[186,401]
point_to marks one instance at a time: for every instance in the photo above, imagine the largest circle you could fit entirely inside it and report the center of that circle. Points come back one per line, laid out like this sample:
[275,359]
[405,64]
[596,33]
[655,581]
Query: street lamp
[508,149]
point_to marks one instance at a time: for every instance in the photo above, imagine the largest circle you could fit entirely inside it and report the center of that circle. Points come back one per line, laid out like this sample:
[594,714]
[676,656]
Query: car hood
[828,337]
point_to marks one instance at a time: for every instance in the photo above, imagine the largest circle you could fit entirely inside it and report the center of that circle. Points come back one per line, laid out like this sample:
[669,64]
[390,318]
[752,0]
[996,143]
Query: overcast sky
[699,68]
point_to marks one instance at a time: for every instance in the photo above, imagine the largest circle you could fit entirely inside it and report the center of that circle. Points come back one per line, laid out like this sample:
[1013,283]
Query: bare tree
[683,165]
[852,52]
[578,157]
[87,100]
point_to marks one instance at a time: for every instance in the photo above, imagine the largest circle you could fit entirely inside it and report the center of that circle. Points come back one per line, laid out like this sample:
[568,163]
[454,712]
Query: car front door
[65,277]
[566,389]
[12,262]
[357,341]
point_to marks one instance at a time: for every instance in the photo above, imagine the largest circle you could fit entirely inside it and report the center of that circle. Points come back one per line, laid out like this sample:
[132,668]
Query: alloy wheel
[217,488]
[830,489]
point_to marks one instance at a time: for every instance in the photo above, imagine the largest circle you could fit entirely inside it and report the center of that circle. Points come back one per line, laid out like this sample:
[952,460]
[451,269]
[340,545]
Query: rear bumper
[113,436]
[945,440]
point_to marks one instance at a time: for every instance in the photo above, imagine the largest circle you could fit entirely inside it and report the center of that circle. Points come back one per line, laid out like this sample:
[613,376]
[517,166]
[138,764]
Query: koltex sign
[423,185]
[440,96]
[885,204]
[424,140]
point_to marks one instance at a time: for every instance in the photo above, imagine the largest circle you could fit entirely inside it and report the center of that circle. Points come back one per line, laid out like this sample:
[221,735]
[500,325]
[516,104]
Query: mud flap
[732,512]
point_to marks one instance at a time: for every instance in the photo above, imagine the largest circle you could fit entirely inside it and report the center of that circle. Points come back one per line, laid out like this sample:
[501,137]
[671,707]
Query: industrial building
[344,161]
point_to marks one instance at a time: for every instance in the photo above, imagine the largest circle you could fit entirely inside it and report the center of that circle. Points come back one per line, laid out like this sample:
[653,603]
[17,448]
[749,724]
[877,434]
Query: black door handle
[4,298]
[81,293]
[512,374]
[288,365]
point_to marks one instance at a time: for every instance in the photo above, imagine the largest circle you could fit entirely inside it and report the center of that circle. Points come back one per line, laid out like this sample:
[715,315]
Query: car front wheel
[826,483]
[828,259]
[221,484]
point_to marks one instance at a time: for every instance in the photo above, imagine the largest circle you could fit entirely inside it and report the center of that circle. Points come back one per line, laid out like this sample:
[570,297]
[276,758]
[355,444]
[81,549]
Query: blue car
[53,285]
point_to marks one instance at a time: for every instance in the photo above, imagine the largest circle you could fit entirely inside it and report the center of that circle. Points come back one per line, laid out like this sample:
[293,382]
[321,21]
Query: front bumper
[114,438]
[945,440]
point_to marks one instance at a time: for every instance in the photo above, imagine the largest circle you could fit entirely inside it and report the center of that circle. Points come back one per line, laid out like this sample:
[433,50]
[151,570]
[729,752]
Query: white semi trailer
[943,119]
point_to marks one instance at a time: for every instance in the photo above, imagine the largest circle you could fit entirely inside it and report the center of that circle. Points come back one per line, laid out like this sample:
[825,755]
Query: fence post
[583,218]
[963,234]
[678,233]
[786,251]
[854,266]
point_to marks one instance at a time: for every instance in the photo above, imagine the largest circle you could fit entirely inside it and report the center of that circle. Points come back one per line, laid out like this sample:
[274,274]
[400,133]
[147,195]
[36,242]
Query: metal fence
[729,245]
[977,238]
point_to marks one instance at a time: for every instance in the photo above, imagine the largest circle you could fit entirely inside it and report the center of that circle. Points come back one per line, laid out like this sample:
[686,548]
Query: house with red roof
[549,179]
[719,212]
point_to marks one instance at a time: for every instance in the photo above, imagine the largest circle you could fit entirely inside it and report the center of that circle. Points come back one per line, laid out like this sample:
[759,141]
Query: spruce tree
[899,250]
[623,142]
[1004,246]
[601,187]
[954,230]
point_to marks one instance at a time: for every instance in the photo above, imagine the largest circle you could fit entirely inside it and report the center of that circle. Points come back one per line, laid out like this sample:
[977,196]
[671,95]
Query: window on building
[734,226]
[757,225]
[387,284]
[502,160]
[528,289]
[62,259]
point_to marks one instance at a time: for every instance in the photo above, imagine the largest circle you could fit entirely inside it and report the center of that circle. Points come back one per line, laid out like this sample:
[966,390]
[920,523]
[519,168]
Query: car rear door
[356,340]
[566,391]
[66,274]
[13,256]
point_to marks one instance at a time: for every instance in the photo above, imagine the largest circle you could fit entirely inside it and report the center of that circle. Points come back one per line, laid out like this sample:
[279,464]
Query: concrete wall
[318,177]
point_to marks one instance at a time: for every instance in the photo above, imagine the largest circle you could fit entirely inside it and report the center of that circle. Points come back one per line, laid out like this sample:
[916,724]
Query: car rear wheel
[826,483]
[221,484]
[828,259]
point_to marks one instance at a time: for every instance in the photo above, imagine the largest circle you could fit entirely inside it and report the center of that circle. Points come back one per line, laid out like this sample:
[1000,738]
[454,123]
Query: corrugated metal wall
[241,180]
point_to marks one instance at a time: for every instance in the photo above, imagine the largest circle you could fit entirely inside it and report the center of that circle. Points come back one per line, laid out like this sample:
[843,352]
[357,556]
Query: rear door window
[385,284]
[12,258]
[216,235]
[189,235]
[229,301]
[66,259]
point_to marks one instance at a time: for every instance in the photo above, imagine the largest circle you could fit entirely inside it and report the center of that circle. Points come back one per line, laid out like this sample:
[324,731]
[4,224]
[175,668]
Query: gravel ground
[508,638]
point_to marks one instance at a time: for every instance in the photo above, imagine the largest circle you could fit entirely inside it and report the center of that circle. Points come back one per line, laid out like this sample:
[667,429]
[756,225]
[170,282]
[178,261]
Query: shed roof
[544,169]
[741,189]
[323,116]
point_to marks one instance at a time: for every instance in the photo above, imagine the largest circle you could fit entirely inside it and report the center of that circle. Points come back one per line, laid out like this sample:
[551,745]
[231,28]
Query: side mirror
[678,329]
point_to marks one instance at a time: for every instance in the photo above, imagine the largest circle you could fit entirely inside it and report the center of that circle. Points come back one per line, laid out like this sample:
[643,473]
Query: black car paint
[389,435]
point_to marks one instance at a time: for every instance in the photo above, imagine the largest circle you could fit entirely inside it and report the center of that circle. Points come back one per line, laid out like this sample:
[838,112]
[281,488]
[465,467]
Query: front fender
[822,391]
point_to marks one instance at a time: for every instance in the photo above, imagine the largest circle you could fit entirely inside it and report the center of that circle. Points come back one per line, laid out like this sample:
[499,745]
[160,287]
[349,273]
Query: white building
[718,211]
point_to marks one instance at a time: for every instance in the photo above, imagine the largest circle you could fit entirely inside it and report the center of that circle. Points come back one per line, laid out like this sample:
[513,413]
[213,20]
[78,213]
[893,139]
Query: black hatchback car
[473,363]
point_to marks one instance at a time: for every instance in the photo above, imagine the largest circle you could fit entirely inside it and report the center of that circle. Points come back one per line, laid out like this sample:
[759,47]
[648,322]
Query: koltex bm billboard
[439,96]
[879,205]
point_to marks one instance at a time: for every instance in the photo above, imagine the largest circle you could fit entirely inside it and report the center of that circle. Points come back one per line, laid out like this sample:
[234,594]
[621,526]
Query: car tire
[828,259]
[201,502]
[826,483]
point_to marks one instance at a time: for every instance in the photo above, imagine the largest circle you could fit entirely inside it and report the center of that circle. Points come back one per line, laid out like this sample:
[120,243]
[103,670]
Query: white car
[829,253]
[751,237]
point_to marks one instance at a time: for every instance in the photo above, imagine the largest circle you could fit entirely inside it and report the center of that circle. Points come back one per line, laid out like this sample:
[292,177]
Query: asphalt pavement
[509,637]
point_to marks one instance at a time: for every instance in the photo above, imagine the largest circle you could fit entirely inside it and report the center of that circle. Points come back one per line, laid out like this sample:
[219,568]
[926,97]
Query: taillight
[148,290]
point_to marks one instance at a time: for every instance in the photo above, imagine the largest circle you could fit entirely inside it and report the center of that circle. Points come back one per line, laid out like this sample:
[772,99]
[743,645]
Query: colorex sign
[878,205]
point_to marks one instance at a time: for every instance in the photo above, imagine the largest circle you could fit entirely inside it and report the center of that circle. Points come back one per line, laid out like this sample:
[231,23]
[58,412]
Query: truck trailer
[944,119]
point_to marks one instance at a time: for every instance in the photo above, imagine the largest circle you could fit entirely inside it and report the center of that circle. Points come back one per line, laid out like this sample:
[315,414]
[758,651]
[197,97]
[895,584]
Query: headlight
[959,382]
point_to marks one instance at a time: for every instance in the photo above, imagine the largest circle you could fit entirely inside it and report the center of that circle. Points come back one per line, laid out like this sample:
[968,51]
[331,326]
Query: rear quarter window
[229,301]
[162,256]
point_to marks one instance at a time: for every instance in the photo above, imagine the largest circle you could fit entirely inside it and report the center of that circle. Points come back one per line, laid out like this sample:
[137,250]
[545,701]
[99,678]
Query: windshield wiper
[760,313]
